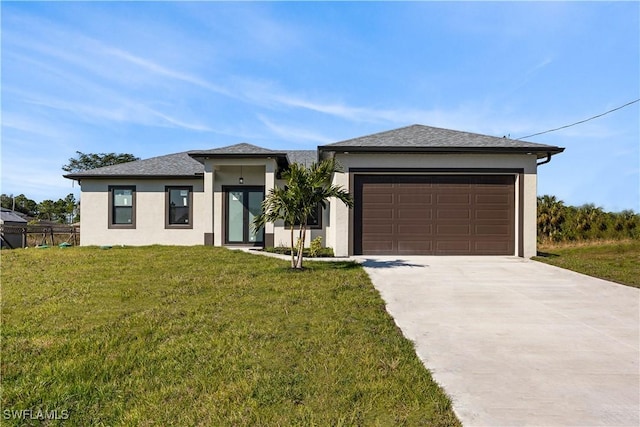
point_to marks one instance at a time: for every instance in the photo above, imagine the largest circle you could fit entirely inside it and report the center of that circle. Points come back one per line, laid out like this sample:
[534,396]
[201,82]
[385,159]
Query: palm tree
[551,216]
[306,188]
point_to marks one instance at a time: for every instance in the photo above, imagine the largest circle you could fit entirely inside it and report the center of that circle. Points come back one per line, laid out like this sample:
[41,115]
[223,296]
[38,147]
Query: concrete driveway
[515,342]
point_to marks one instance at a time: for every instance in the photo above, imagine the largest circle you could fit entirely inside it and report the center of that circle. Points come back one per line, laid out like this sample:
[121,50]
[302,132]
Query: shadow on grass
[376,263]
[324,265]
[547,255]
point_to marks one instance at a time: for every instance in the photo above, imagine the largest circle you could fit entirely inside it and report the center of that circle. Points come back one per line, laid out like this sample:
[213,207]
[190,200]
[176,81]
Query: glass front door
[243,205]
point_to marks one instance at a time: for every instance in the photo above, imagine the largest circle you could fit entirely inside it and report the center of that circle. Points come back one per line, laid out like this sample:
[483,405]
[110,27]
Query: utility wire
[581,121]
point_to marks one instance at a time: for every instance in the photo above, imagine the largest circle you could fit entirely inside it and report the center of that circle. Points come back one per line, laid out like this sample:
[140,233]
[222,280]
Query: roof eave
[78,177]
[541,152]
[281,158]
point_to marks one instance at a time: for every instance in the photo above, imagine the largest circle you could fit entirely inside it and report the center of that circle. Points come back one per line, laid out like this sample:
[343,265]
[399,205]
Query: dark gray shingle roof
[178,165]
[242,150]
[7,215]
[427,138]
[185,165]
[415,138]
[236,149]
[304,157]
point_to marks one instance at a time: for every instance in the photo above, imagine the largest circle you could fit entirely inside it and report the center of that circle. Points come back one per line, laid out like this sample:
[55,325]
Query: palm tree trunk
[303,232]
[293,260]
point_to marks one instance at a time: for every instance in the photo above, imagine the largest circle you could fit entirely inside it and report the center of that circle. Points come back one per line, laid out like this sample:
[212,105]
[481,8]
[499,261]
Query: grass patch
[618,261]
[204,336]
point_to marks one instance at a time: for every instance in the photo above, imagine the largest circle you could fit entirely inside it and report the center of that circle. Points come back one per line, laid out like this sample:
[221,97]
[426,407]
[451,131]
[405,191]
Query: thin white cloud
[179,123]
[294,134]
[467,117]
[123,111]
[166,72]
[31,125]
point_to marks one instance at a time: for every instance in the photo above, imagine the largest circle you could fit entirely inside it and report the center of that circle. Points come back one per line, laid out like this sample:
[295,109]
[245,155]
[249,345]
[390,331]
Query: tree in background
[47,210]
[20,203]
[551,217]
[560,223]
[83,162]
[63,210]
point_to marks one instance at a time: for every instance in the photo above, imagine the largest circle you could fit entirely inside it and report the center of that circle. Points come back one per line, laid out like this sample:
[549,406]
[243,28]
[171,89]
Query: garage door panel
[417,229]
[454,230]
[379,198]
[379,247]
[453,246]
[415,197]
[378,186]
[446,181]
[380,213]
[491,248]
[492,230]
[452,214]
[384,228]
[414,214]
[409,231]
[492,199]
[492,215]
[453,199]
[415,247]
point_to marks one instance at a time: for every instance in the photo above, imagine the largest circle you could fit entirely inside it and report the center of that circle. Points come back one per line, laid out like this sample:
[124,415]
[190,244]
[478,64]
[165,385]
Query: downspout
[545,161]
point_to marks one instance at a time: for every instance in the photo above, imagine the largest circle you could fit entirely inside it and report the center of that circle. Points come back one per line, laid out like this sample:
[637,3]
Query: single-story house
[417,190]
[12,235]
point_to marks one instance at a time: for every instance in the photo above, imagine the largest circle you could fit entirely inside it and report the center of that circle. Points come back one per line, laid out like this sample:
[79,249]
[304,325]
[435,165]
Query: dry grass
[615,260]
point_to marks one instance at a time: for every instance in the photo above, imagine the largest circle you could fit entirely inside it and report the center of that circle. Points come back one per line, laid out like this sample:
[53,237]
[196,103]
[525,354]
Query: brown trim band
[75,177]
[167,224]
[226,189]
[110,223]
[208,239]
[538,151]
[461,171]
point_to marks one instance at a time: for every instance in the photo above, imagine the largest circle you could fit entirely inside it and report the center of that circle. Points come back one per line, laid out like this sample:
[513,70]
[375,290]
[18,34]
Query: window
[314,220]
[122,207]
[179,210]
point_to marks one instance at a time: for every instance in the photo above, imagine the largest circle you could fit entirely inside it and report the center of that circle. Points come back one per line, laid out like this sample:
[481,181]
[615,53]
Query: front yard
[618,261]
[202,336]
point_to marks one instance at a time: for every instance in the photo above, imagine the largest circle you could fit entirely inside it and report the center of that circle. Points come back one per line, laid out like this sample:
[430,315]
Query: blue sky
[157,78]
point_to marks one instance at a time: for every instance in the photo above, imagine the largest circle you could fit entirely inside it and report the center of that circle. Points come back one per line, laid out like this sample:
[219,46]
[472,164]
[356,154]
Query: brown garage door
[434,215]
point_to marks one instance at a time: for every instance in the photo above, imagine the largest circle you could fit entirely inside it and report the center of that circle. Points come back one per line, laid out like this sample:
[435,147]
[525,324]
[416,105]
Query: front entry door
[243,204]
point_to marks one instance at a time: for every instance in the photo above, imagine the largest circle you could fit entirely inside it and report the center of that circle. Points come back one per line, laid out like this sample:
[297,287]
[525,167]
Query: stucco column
[209,180]
[530,225]
[269,183]
[217,207]
[338,233]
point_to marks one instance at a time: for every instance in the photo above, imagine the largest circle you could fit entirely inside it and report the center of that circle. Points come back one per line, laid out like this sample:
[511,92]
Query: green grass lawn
[615,261]
[203,336]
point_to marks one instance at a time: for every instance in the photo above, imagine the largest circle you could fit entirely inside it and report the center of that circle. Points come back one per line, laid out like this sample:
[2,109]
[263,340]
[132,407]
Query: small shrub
[316,246]
[285,250]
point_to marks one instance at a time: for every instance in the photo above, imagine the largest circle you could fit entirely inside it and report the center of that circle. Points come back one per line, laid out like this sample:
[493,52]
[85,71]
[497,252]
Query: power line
[581,121]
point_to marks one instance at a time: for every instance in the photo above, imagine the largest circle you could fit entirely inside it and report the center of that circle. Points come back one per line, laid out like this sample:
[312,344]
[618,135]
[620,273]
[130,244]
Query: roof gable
[303,157]
[237,149]
[427,138]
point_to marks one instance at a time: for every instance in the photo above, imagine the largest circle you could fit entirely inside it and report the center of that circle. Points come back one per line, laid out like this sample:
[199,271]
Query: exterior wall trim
[110,223]
[518,197]
[225,189]
[166,207]
[457,171]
